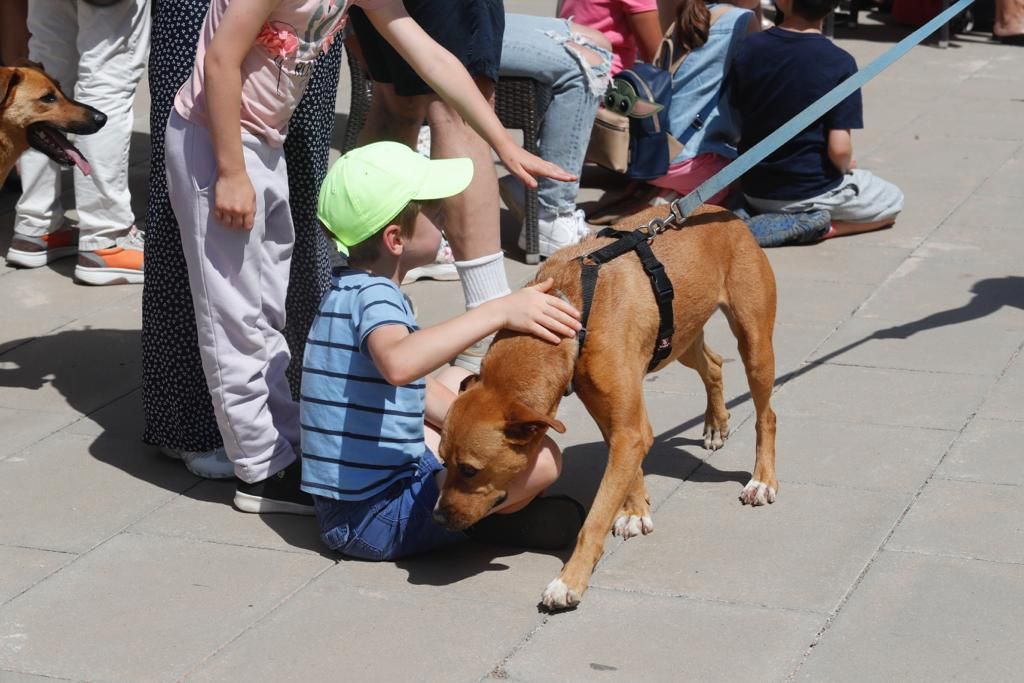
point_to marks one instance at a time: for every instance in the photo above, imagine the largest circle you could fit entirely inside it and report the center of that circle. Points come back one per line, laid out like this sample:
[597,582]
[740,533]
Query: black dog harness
[638,240]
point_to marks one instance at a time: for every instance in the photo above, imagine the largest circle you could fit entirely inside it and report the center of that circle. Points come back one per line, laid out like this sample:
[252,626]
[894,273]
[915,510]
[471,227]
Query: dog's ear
[9,79]
[468,382]
[522,423]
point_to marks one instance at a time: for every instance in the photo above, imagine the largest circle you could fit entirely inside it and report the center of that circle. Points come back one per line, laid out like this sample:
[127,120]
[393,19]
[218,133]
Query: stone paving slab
[951,341]
[987,451]
[331,630]
[81,477]
[145,608]
[967,519]
[839,454]
[1006,400]
[922,618]
[707,545]
[905,398]
[21,568]
[630,636]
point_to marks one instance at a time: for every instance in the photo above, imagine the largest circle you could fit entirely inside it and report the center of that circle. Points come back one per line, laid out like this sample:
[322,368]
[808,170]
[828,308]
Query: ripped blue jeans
[536,47]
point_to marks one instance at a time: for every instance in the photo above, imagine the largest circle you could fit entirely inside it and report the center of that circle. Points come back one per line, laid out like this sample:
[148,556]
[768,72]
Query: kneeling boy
[370,416]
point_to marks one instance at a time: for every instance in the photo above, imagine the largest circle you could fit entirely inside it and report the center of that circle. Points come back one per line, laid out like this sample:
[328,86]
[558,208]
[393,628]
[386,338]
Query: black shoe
[277,493]
[550,523]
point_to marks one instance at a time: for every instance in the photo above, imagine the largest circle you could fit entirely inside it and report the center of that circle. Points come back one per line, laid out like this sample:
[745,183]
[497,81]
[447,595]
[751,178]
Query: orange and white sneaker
[121,264]
[33,252]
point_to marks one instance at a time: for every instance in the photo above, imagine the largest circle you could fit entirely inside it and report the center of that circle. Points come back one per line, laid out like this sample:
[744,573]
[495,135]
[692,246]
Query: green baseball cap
[368,187]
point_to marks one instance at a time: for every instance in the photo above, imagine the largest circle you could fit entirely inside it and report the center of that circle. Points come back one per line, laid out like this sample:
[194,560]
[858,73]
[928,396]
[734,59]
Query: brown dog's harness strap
[625,242]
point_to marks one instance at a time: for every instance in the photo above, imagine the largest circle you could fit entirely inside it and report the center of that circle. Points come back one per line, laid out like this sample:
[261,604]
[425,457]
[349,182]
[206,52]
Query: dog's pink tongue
[76,157]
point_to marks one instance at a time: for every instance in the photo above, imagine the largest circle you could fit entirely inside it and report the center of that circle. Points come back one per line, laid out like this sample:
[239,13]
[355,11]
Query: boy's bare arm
[402,357]
[233,194]
[449,79]
[840,150]
[437,400]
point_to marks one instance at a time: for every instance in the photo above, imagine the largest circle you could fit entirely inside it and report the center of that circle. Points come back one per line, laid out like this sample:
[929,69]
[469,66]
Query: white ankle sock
[483,279]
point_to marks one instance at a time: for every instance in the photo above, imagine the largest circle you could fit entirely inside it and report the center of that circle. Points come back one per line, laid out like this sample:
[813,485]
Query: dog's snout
[440,517]
[99,118]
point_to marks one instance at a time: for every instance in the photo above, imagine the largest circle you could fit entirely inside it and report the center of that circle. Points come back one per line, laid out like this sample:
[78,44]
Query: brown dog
[35,113]
[499,419]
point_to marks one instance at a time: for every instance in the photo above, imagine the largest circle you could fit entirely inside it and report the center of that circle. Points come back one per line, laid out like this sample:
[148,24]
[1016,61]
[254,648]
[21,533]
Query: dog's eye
[48,98]
[467,471]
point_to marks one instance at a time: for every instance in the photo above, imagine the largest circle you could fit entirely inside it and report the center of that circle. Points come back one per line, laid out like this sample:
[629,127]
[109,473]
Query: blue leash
[683,207]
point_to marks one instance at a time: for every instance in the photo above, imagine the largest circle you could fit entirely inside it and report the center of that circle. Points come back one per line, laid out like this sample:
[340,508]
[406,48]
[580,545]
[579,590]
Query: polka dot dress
[177,404]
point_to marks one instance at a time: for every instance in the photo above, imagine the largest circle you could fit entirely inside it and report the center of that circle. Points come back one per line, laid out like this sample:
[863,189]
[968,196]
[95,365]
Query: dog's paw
[714,437]
[757,493]
[628,526]
[558,596]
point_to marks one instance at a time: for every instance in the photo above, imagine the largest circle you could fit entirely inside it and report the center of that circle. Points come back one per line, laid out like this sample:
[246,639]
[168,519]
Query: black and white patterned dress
[177,404]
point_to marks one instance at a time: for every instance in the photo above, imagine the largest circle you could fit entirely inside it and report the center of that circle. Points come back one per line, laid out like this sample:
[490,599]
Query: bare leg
[393,116]
[1009,19]
[844,228]
[473,219]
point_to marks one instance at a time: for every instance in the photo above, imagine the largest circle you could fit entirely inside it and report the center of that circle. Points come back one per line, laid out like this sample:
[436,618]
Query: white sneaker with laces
[443,267]
[471,358]
[557,231]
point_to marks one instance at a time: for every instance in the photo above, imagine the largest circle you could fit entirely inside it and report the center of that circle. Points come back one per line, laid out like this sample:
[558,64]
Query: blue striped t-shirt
[359,433]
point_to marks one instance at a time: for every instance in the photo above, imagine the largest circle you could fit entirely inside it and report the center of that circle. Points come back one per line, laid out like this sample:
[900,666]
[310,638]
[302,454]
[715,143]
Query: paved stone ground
[893,553]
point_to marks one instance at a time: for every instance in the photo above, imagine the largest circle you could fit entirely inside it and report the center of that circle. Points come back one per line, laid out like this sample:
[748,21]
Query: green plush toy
[621,97]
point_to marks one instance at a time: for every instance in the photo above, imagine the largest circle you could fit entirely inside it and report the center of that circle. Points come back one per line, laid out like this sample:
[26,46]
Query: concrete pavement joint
[954,556]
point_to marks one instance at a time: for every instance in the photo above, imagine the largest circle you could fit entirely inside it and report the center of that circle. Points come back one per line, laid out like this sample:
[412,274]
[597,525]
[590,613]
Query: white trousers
[239,283]
[98,54]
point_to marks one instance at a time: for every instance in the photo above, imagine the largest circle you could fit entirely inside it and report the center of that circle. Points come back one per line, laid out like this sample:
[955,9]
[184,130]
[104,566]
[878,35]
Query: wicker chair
[519,104]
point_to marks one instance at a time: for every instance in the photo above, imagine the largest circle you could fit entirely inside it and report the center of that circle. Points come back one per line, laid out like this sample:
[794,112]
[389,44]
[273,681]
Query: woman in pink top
[228,187]
[631,25]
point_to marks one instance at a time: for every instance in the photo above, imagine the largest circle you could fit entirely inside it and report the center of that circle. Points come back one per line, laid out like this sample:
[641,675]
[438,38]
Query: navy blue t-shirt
[775,76]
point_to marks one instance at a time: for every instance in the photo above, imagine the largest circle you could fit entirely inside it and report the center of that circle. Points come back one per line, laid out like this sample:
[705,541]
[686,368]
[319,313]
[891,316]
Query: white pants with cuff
[98,55]
[239,280]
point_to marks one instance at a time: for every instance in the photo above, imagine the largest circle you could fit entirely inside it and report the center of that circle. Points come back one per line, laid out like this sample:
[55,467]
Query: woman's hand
[527,166]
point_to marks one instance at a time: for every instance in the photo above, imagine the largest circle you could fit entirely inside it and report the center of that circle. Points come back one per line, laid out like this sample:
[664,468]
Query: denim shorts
[471,30]
[397,522]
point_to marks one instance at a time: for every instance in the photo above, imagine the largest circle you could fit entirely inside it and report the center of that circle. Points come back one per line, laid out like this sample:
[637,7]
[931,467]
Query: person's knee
[549,464]
[592,58]
[592,35]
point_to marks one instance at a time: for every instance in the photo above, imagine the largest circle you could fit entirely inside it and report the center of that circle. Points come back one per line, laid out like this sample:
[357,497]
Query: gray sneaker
[32,252]
[121,264]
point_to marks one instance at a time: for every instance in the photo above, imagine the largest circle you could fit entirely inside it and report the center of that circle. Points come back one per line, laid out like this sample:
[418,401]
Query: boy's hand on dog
[526,166]
[235,201]
[547,317]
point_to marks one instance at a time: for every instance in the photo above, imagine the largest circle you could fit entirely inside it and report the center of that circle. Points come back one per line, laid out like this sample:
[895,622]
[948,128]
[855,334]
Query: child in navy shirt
[775,76]
[370,415]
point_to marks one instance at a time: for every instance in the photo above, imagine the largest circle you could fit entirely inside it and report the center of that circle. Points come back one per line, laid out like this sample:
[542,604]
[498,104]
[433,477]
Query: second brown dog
[499,420]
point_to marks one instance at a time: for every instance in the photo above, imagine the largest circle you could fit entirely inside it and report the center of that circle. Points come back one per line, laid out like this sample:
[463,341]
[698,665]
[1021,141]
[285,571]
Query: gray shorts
[861,197]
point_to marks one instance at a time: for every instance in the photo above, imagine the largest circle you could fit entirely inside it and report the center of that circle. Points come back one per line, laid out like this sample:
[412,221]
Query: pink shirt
[277,68]
[611,17]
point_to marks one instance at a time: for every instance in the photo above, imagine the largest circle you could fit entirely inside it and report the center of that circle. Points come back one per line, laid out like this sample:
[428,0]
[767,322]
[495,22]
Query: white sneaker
[557,231]
[443,267]
[471,358]
[206,464]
